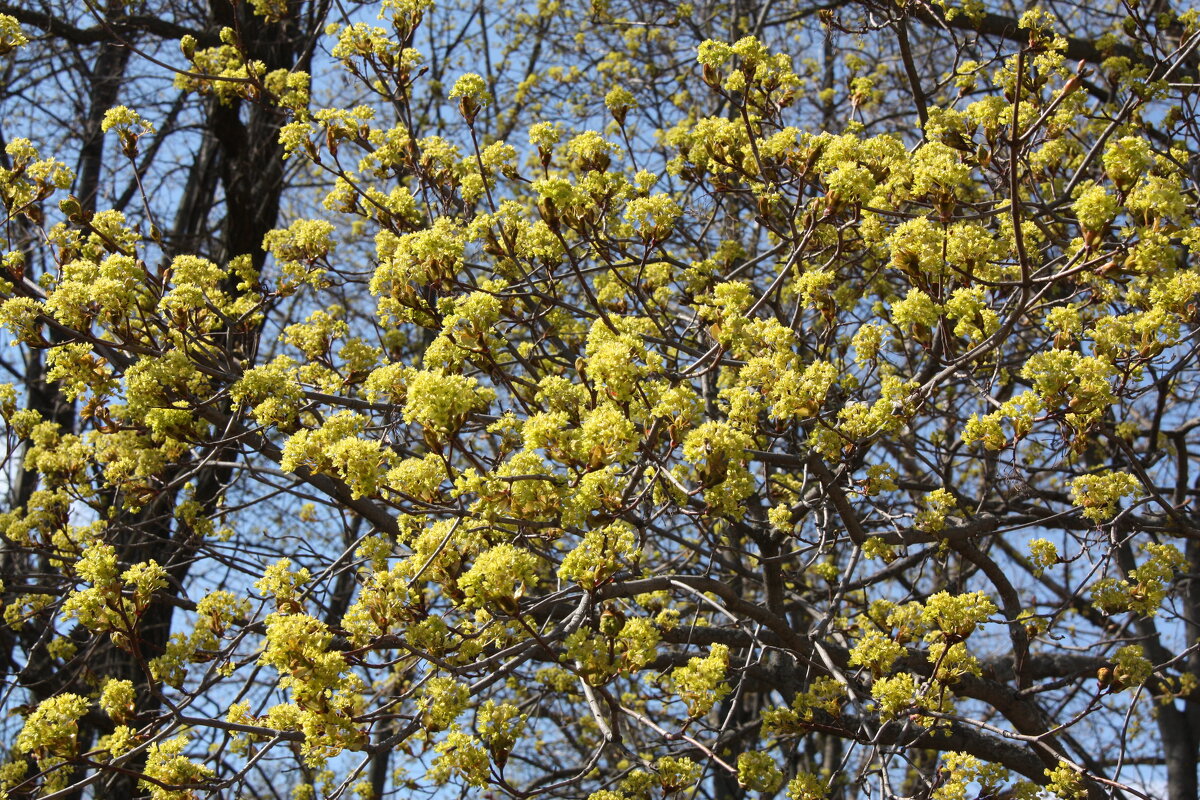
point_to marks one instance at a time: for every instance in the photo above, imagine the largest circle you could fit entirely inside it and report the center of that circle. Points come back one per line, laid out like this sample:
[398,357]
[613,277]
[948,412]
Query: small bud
[612,622]
[70,206]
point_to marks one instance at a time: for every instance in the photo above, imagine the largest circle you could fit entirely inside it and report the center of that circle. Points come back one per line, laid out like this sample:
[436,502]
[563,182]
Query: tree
[611,428]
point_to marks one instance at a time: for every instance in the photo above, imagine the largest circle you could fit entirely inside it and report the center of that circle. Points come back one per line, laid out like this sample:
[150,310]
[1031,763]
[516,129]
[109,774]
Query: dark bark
[107,74]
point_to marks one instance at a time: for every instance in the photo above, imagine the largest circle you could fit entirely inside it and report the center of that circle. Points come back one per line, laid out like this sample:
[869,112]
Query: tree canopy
[612,401]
